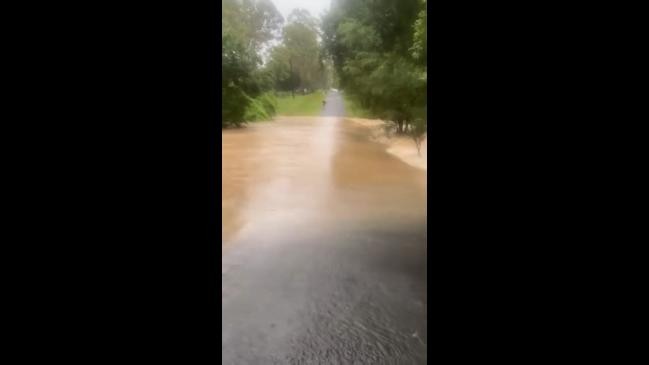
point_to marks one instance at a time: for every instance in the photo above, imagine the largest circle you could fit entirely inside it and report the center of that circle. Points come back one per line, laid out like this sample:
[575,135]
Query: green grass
[353,109]
[302,105]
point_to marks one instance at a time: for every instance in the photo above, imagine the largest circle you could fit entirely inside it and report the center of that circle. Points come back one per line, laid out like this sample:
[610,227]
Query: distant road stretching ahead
[334,106]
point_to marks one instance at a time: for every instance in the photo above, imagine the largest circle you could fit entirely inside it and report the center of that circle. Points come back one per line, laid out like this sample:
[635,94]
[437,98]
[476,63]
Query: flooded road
[324,254]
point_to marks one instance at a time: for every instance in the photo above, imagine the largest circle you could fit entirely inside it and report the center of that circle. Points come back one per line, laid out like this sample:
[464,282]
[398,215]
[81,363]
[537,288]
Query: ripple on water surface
[325,255]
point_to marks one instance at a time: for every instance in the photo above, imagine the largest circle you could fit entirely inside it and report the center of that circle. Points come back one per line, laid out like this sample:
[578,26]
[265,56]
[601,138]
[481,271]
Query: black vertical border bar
[213,154]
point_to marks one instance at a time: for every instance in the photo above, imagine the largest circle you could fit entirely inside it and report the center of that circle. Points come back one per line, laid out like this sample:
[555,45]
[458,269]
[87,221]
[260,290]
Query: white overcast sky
[315,7]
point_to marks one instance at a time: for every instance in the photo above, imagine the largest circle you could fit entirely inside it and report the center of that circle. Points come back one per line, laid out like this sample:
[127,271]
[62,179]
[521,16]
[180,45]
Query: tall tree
[247,25]
[297,62]
[255,21]
[238,63]
[419,51]
[370,43]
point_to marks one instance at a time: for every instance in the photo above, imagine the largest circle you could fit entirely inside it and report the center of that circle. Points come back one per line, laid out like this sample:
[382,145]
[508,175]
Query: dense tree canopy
[256,21]
[298,62]
[378,49]
[375,49]
[419,51]
[292,51]
[247,25]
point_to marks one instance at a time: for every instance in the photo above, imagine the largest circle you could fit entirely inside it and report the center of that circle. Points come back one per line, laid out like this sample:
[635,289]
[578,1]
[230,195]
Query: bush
[234,103]
[418,132]
[262,107]
[269,102]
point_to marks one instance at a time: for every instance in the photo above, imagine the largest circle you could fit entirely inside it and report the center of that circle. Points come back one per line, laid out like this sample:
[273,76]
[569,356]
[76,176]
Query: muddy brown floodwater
[324,253]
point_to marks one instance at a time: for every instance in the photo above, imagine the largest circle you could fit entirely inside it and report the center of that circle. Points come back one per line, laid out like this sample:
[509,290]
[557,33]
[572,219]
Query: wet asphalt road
[334,106]
[325,260]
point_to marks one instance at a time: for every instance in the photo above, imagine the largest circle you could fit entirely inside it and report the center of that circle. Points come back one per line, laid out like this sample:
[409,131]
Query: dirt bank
[402,147]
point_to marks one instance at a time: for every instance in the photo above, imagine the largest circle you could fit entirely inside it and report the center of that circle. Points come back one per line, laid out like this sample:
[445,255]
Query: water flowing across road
[324,254]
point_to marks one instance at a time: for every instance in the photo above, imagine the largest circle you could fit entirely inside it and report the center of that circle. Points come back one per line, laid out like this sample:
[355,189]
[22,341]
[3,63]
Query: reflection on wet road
[324,255]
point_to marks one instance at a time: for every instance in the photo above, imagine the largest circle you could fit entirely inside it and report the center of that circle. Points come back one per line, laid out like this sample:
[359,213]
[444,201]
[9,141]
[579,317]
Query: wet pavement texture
[324,256]
[334,106]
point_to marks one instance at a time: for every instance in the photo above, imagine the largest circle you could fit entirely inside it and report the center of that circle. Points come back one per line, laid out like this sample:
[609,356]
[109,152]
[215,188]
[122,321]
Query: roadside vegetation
[265,58]
[379,55]
[374,51]
[354,109]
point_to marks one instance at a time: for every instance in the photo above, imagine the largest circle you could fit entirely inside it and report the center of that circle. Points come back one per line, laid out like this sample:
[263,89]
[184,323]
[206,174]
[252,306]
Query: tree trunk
[418,144]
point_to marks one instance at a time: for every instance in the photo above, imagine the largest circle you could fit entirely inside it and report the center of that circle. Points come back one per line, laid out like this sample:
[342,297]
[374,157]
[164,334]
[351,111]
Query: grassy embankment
[301,105]
[311,105]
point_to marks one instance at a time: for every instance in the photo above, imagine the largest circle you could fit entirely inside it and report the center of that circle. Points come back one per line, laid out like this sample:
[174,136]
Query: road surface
[324,256]
[334,106]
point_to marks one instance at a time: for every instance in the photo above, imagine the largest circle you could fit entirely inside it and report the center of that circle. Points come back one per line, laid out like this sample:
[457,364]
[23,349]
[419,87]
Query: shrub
[262,107]
[269,102]
[234,103]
